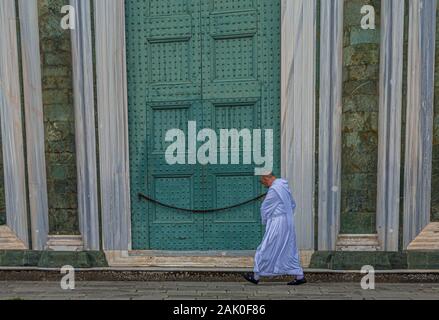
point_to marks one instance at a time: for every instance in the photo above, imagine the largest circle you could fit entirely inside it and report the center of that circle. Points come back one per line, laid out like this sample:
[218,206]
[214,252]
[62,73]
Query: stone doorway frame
[298,126]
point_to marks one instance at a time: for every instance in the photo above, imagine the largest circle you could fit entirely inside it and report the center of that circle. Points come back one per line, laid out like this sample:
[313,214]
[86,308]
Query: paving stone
[146,291]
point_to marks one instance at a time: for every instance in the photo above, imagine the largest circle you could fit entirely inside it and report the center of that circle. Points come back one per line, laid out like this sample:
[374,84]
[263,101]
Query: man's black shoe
[251,278]
[297,282]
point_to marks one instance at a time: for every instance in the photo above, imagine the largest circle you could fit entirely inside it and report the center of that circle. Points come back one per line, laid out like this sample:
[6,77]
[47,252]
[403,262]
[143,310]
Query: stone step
[210,259]
[9,241]
[65,243]
[117,274]
[358,242]
[428,239]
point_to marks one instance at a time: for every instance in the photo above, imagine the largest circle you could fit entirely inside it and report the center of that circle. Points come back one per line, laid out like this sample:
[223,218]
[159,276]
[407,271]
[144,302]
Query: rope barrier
[199,211]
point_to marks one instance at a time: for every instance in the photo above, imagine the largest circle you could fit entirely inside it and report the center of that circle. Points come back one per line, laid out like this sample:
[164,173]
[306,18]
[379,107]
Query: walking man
[277,255]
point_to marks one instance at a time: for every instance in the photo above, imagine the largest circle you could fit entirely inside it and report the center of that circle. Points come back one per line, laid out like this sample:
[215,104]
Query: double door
[210,62]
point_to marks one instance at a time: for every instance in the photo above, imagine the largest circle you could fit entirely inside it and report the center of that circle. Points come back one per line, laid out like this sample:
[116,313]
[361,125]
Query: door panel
[176,185]
[239,228]
[164,92]
[239,71]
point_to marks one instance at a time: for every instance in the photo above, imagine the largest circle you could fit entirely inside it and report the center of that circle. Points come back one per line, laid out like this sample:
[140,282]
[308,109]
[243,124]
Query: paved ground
[213,291]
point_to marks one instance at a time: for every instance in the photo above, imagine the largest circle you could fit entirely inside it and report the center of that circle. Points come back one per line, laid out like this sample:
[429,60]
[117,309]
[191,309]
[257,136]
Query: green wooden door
[216,62]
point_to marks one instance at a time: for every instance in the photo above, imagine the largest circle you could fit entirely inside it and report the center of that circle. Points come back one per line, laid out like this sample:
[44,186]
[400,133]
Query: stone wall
[404,123]
[360,120]
[2,189]
[58,118]
[435,180]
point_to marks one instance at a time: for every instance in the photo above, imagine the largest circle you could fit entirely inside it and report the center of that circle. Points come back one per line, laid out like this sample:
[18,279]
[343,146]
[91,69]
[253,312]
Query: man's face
[266,181]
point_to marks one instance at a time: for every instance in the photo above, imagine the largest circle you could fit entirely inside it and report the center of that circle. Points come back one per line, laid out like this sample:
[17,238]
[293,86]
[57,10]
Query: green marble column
[360,120]
[58,118]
